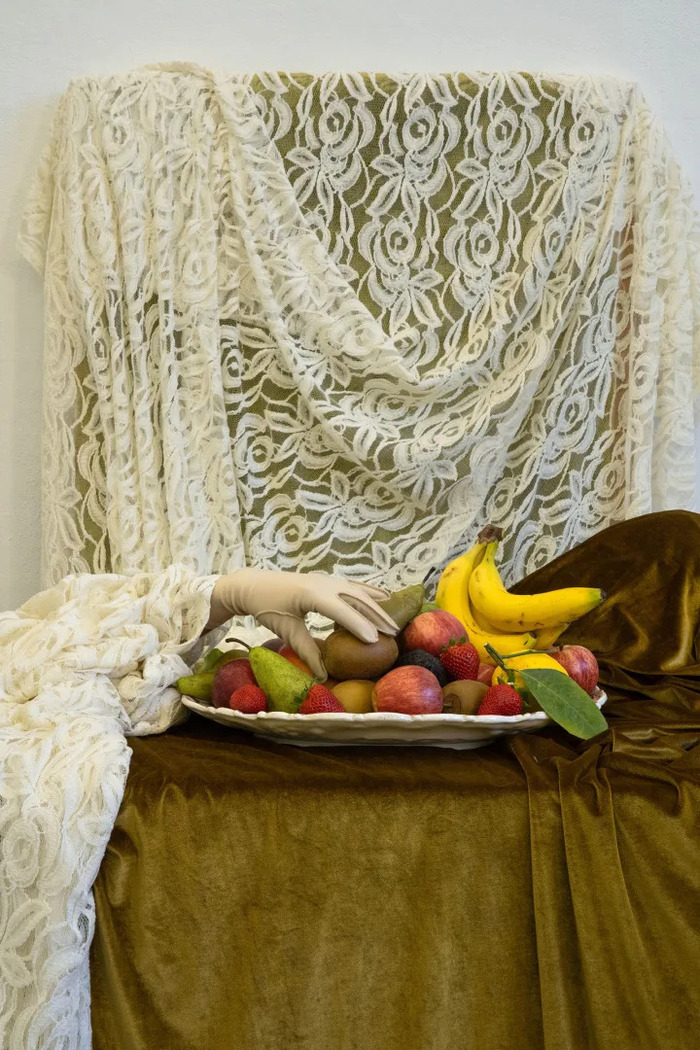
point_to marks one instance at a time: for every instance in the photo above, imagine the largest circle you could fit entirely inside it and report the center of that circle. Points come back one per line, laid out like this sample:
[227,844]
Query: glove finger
[379,593]
[370,610]
[304,646]
[292,630]
[350,618]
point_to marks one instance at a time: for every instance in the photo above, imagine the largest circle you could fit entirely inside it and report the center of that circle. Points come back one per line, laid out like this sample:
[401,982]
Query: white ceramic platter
[377,728]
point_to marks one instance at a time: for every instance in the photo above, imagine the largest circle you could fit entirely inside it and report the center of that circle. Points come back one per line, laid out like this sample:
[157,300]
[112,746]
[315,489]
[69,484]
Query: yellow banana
[452,592]
[525,612]
[547,636]
[453,596]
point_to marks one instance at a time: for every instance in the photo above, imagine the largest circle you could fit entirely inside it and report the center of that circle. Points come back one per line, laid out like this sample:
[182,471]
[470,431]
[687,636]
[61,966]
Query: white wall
[44,43]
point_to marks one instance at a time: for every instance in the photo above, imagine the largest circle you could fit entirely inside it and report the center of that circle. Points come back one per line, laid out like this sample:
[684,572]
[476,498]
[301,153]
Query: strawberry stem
[526,652]
[497,657]
[510,674]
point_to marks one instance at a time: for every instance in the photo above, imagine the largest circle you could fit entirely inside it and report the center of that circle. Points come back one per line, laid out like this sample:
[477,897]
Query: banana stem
[490,534]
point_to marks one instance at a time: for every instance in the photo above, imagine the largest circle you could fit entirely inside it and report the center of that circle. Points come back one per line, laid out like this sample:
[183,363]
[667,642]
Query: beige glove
[280,601]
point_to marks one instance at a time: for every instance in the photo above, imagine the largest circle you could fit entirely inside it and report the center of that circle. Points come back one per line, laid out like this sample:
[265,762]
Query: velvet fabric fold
[538,894]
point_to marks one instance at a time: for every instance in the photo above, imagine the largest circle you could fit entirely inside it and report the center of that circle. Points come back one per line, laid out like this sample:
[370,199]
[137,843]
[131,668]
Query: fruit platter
[475,663]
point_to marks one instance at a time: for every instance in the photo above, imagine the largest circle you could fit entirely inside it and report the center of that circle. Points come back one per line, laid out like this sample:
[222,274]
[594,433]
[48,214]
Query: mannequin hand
[280,601]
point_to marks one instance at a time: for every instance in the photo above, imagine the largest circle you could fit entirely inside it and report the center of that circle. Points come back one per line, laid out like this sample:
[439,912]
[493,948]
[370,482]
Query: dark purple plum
[274,643]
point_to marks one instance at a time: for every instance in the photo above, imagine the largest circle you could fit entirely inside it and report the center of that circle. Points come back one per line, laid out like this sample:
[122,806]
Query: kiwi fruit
[345,656]
[463,697]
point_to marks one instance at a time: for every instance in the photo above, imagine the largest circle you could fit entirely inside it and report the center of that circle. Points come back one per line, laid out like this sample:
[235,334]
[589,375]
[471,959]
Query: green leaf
[565,702]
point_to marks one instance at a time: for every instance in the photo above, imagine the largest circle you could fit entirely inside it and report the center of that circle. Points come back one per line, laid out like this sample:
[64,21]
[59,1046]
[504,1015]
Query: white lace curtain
[340,322]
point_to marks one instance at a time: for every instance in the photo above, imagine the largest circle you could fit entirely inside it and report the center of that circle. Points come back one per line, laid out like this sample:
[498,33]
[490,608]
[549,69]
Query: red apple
[580,664]
[485,673]
[229,678]
[431,631]
[409,690]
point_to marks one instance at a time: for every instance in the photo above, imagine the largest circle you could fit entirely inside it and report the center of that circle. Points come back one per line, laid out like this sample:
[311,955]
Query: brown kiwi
[463,697]
[321,645]
[345,656]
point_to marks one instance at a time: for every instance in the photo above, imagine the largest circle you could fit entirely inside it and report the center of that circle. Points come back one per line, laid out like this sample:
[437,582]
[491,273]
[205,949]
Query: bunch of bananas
[471,588]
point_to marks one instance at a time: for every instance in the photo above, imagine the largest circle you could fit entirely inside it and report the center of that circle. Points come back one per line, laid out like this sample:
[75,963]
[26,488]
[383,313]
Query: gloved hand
[280,601]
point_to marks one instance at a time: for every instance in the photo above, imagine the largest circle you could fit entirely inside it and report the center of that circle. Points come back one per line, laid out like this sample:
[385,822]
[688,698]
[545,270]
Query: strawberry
[249,700]
[501,700]
[320,700]
[460,660]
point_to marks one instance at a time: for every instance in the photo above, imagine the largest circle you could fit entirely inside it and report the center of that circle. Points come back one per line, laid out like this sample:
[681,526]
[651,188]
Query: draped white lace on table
[339,322]
[81,665]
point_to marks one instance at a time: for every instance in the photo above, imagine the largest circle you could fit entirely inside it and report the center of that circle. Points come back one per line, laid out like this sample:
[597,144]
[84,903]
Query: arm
[280,601]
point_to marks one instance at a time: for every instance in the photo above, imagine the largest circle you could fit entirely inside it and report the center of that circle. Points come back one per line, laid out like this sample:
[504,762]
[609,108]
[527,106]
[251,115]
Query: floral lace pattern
[339,322]
[81,665]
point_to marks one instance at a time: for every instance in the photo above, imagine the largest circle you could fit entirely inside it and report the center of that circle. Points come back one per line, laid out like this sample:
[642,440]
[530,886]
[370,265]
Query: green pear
[403,605]
[197,685]
[284,685]
[216,658]
[207,662]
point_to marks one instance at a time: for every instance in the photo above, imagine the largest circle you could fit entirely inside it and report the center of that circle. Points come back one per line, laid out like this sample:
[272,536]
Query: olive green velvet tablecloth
[540,892]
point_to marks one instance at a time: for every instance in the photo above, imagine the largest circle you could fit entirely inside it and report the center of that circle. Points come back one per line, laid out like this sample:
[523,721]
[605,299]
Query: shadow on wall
[21,355]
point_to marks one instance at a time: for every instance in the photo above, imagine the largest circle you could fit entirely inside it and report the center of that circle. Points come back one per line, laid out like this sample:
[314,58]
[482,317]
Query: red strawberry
[320,700]
[461,661]
[501,700]
[249,699]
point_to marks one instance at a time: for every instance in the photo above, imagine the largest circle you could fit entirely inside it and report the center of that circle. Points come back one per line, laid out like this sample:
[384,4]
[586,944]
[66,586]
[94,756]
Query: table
[541,892]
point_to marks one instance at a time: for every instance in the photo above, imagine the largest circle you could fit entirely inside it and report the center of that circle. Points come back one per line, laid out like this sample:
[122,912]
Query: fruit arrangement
[476,650]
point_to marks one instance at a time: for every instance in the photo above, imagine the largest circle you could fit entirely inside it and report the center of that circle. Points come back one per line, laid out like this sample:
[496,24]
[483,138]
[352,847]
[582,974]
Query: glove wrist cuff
[225,601]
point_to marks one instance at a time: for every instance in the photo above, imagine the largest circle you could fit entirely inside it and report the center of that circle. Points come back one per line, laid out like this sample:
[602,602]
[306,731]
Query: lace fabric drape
[339,322]
[81,665]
